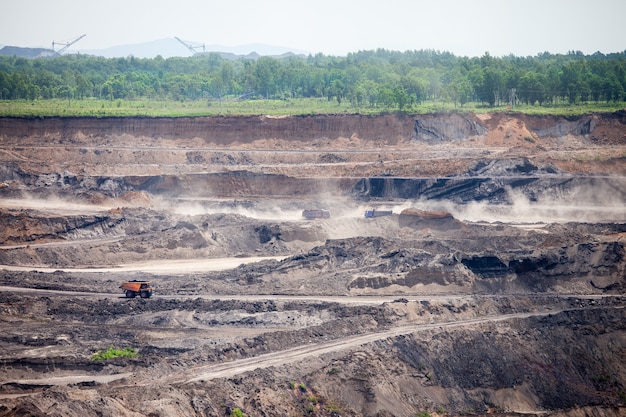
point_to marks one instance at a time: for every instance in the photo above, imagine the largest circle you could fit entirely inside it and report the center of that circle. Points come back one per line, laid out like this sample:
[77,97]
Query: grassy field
[148,108]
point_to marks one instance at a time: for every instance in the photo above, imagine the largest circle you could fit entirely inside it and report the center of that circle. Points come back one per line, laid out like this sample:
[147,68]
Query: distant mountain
[170,47]
[26,52]
[164,47]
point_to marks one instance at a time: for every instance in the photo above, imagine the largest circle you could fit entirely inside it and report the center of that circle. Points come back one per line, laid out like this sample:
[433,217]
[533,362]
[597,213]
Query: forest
[379,79]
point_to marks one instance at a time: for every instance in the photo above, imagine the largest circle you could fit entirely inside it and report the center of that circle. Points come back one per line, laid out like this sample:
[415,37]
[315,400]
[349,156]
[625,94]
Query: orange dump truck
[136,288]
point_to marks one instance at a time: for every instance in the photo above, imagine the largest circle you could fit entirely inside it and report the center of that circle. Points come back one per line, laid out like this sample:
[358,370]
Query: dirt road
[230,369]
[156,267]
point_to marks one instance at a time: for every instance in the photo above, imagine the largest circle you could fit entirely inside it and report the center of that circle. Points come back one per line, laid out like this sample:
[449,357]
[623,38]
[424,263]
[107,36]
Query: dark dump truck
[311,214]
[377,213]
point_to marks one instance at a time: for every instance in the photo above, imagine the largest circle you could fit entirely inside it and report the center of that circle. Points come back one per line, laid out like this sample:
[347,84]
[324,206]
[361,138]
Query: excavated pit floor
[497,285]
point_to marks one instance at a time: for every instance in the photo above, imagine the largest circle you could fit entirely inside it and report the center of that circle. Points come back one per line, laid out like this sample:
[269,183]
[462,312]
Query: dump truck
[311,214]
[136,288]
[377,213]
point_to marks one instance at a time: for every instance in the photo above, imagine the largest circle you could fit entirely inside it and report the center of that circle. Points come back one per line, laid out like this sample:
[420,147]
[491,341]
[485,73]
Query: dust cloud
[51,204]
[254,210]
[580,205]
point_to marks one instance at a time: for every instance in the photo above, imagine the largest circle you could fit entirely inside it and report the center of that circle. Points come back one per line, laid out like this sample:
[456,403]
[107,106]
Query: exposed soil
[496,286]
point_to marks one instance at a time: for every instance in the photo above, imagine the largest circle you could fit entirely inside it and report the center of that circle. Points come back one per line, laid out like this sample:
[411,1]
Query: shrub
[112,352]
[236,412]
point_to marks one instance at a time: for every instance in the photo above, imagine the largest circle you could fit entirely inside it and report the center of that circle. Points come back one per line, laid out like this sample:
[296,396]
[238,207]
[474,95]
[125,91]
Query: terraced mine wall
[117,155]
[389,128]
[245,184]
[492,189]
[221,130]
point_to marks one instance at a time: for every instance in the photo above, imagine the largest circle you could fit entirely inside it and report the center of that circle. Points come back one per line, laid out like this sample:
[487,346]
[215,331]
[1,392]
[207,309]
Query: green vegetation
[167,108]
[112,352]
[236,412]
[310,106]
[366,82]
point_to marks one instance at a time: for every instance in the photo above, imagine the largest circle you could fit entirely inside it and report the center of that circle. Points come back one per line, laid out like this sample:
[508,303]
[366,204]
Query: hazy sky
[333,27]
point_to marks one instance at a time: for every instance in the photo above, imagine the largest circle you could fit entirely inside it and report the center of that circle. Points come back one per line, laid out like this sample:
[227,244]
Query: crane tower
[65,45]
[191,48]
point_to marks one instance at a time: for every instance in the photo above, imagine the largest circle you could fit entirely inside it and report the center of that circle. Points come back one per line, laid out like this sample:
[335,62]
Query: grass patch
[112,353]
[302,106]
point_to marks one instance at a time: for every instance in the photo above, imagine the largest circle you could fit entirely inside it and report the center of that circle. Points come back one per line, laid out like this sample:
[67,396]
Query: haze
[465,28]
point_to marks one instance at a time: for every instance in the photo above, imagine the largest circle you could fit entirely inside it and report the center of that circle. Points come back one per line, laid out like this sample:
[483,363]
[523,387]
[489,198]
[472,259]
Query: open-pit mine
[315,265]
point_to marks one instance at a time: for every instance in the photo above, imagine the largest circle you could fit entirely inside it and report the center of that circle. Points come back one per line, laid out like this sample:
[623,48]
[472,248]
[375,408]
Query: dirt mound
[428,219]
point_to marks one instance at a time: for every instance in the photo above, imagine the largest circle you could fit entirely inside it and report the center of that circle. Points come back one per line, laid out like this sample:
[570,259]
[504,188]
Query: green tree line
[376,79]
